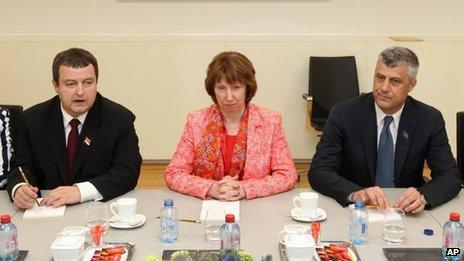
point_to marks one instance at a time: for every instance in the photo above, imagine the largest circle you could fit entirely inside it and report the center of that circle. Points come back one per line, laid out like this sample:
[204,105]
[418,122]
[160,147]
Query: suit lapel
[406,129]
[56,139]
[88,136]
[369,134]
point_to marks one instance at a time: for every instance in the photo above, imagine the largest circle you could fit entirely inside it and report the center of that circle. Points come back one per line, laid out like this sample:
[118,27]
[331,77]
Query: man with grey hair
[381,140]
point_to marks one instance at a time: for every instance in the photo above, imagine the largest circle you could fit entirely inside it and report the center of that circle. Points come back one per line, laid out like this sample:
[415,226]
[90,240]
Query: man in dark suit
[79,145]
[381,139]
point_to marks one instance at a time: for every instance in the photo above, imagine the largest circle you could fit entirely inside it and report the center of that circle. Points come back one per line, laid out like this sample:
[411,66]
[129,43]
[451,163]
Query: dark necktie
[71,149]
[385,157]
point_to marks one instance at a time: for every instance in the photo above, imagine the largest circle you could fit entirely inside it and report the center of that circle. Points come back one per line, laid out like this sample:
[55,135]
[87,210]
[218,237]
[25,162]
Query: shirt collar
[380,115]
[67,117]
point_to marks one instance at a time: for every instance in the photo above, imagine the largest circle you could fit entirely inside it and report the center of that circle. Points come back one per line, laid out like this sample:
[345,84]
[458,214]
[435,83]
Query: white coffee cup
[307,202]
[293,229]
[124,209]
[299,247]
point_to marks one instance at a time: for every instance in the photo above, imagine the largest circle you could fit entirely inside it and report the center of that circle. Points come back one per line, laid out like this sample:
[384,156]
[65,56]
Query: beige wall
[161,81]
[153,54]
[229,17]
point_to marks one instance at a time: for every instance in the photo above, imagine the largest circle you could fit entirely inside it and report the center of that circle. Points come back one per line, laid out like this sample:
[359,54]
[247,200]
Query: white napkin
[375,215]
[44,211]
[230,207]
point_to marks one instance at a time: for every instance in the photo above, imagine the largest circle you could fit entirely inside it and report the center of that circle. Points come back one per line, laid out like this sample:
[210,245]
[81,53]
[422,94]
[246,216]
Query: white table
[441,213]
[5,204]
[260,221]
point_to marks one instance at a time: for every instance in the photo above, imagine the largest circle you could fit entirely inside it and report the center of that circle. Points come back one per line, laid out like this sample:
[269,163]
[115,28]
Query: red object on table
[315,230]
[97,233]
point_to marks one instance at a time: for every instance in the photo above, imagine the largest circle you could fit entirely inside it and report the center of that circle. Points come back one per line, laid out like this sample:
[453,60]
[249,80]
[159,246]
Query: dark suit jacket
[346,155]
[111,162]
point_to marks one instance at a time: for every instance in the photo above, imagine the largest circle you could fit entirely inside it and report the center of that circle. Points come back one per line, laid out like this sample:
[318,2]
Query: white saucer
[297,215]
[139,220]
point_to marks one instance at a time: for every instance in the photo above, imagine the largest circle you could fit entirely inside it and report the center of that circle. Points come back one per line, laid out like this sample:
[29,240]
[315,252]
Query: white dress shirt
[393,125]
[87,189]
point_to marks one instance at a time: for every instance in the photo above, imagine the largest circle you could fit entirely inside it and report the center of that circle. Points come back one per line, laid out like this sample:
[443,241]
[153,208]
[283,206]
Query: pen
[186,220]
[377,206]
[27,182]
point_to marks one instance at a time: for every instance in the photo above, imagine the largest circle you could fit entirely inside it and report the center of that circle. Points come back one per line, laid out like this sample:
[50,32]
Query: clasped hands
[25,196]
[227,189]
[410,200]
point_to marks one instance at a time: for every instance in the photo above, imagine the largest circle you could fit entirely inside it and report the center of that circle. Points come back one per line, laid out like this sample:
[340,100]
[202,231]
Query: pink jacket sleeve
[282,175]
[178,174]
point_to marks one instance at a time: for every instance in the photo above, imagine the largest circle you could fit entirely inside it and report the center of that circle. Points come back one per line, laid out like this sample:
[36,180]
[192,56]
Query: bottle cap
[359,204]
[5,219]
[230,218]
[428,232]
[168,202]
[454,216]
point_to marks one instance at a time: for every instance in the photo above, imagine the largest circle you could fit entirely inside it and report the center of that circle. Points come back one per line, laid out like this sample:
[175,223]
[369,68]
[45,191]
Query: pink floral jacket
[269,167]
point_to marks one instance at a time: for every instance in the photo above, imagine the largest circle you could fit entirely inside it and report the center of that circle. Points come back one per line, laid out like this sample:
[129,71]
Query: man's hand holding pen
[25,196]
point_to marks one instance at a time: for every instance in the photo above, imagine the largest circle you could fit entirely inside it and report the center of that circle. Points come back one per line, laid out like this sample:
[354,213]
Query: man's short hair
[75,58]
[395,55]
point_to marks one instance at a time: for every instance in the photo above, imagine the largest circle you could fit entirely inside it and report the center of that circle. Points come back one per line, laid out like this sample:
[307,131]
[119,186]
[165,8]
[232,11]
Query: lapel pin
[405,135]
[87,141]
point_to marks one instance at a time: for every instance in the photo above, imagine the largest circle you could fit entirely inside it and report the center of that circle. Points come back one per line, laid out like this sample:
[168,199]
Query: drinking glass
[97,221]
[394,230]
[214,219]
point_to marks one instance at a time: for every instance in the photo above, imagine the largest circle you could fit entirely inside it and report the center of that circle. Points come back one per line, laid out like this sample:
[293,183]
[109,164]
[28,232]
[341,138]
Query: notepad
[44,211]
[230,207]
[375,215]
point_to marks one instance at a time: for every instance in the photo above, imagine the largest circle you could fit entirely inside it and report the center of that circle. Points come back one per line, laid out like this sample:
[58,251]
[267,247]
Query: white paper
[375,215]
[44,211]
[230,207]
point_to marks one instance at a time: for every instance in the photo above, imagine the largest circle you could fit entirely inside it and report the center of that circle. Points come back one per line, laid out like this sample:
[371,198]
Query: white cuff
[423,200]
[350,197]
[88,191]
[13,191]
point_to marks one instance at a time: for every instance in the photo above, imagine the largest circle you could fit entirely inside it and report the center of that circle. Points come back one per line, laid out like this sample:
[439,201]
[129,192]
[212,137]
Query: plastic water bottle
[453,238]
[230,234]
[8,239]
[359,220]
[169,222]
